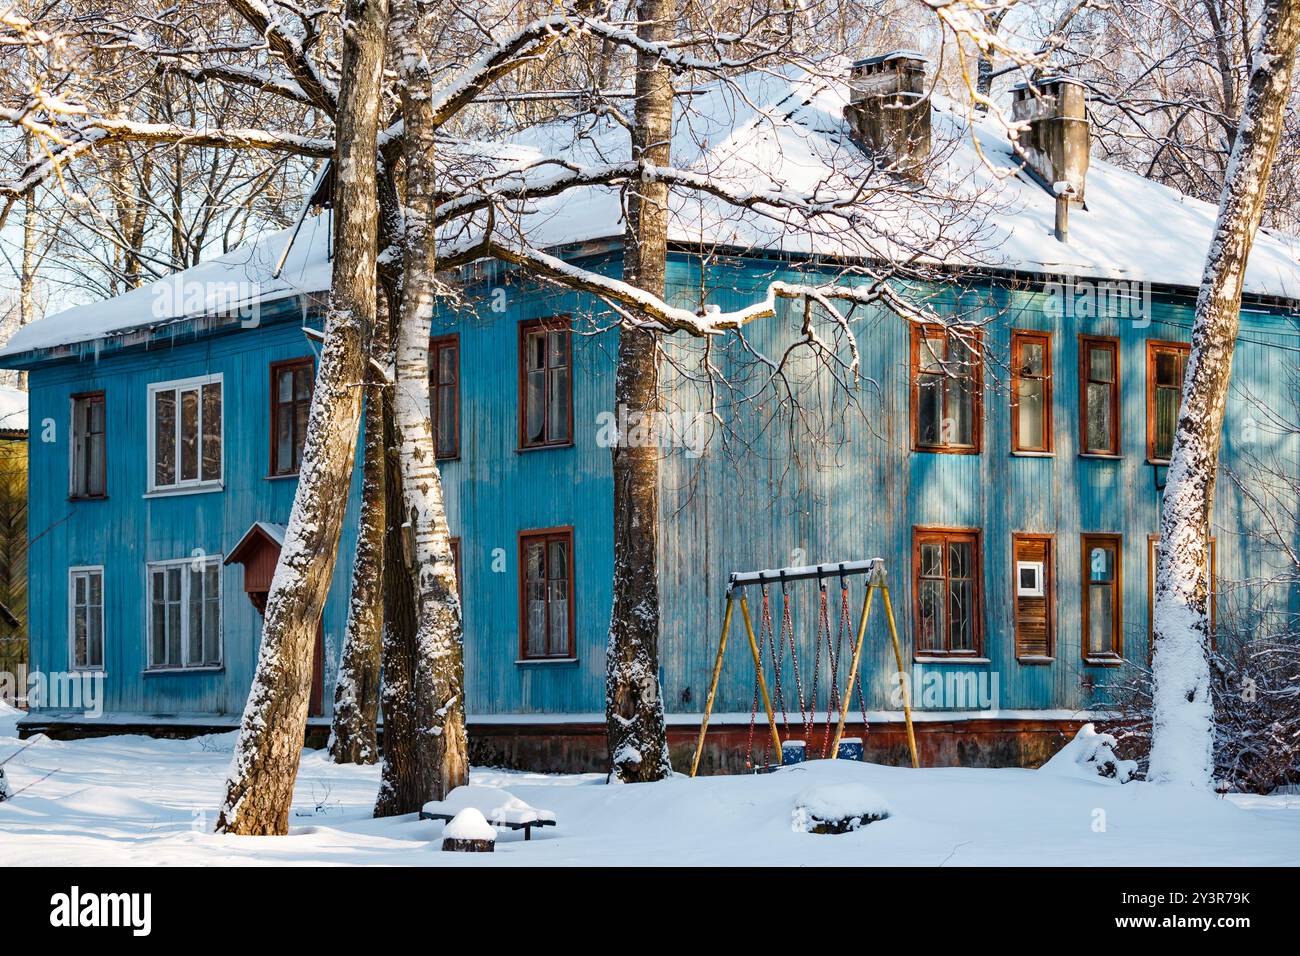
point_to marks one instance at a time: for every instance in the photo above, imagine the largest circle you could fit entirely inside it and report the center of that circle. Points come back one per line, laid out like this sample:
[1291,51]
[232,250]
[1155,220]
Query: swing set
[776,645]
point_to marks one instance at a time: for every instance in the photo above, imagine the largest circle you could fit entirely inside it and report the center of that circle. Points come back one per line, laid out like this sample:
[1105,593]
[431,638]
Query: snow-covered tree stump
[837,808]
[469,832]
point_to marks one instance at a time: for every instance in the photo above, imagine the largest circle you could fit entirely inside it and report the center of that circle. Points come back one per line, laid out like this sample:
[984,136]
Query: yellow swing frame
[875,571]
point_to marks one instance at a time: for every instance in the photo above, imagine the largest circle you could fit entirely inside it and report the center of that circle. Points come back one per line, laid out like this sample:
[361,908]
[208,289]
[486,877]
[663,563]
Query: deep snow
[132,800]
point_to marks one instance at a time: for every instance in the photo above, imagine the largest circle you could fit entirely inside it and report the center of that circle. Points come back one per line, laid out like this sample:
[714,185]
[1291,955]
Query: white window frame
[149,569]
[1035,590]
[181,486]
[73,573]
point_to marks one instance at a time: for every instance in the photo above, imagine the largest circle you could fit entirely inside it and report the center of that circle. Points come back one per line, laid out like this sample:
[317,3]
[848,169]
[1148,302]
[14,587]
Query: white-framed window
[185,446]
[86,617]
[1029,578]
[184,613]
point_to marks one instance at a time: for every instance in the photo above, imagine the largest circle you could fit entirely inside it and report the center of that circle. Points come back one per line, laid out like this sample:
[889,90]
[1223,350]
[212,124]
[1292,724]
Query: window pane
[284,385]
[159,625]
[960,555]
[1099,417]
[557,426]
[929,409]
[195,614]
[164,404]
[212,613]
[189,435]
[212,431]
[932,560]
[78,634]
[557,348]
[535,598]
[1166,411]
[961,616]
[303,378]
[95,636]
[1101,564]
[930,353]
[95,472]
[1031,359]
[301,413]
[445,423]
[558,596]
[961,408]
[535,351]
[931,625]
[1100,619]
[534,425]
[446,365]
[1100,366]
[283,439]
[1169,369]
[174,617]
[1030,416]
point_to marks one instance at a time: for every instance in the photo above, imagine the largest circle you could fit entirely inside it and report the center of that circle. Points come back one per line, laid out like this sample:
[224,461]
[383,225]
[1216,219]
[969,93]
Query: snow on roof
[13,409]
[228,283]
[770,131]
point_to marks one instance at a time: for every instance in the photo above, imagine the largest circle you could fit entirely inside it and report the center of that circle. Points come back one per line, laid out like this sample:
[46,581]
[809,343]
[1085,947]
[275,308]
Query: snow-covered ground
[132,800]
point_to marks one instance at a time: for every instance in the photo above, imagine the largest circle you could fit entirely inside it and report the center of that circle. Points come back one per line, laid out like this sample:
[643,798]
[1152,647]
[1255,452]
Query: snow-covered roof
[768,132]
[13,409]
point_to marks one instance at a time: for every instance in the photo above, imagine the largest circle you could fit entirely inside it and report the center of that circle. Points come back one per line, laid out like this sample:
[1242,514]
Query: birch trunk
[1183,717]
[259,789]
[354,737]
[439,750]
[634,714]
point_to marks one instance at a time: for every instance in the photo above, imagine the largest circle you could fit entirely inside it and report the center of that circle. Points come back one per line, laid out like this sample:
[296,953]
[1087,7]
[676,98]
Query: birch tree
[634,710]
[259,789]
[1182,711]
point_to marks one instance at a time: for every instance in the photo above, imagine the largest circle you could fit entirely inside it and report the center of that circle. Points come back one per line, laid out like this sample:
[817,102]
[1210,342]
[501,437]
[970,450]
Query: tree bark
[354,737]
[259,789]
[634,713]
[1182,733]
[439,750]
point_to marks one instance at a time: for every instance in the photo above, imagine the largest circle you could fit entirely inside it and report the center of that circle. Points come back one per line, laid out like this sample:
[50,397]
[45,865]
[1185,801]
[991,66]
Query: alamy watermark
[177,296]
[58,690]
[1073,298]
[948,688]
[628,428]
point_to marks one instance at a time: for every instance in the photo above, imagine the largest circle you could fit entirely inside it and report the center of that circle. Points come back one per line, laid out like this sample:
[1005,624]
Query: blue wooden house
[1015,500]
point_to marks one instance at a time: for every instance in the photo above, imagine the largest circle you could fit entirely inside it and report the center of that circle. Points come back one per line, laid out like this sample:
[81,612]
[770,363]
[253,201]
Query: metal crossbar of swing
[874,568]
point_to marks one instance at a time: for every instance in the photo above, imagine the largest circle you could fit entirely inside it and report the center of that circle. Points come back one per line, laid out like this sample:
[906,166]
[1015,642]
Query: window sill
[1033,454]
[162,671]
[1035,659]
[1162,462]
[291,474]
[534,661]
[522,449]
[1103,661]
[954,659]
[939,450]
[1097,456]
[87,497]
[185,490]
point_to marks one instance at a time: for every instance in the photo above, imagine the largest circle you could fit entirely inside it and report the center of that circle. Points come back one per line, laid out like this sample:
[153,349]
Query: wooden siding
[854,490]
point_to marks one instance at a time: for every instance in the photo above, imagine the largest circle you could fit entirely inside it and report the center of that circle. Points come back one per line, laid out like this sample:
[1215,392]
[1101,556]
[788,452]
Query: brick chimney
[1055,147]
[889,108]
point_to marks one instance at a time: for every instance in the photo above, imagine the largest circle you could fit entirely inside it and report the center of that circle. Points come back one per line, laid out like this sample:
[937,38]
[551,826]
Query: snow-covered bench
[499,807]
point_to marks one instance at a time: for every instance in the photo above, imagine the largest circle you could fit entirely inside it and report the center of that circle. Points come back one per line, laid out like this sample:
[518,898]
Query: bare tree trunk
[634,712]
[440,749]
[259,789]
[354,736]
[1183,716]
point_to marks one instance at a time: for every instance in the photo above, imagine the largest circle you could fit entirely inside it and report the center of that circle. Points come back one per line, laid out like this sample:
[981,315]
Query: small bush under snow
[837,808]
[1090,754]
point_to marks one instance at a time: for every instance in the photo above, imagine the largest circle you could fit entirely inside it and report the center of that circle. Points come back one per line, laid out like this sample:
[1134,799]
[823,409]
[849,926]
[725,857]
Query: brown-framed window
[1153,549]
[1166,363]
[948,588]
[545,384]
[1099,410]
[947,376]
[546,594]
[1103,598]
[291,387]
[1034,593]
[455,560]
[1031,391]
[89,458]
[444,394]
